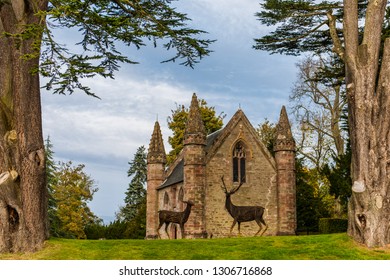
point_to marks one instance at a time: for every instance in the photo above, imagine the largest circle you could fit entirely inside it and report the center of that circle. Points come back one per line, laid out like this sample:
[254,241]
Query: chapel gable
[235,153]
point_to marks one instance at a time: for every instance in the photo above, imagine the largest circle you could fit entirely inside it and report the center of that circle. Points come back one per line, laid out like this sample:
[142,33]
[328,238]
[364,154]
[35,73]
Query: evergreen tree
[51,169]
[313,201]
[135,197]
[339,177]
[136,228]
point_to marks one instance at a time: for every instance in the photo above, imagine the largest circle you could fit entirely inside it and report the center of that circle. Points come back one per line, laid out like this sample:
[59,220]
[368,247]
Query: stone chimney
[195,170]
[156,161]
[284,149]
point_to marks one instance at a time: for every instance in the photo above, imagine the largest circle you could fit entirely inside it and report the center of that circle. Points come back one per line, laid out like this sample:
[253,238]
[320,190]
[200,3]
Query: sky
[105,133]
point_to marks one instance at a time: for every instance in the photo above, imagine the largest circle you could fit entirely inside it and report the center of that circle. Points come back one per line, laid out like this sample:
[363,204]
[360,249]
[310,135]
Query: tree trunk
[369,206]
[368,89]
[23,192]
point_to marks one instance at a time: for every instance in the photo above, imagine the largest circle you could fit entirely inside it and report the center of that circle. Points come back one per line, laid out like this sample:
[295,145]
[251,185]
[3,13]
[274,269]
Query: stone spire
[195,132]
[284,140]
[285,167]
[155,177]
[156,152]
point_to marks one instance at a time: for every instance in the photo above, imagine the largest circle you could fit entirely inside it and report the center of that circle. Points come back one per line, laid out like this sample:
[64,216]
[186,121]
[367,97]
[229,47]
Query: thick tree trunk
[368,89]
[23,192]
[369,212]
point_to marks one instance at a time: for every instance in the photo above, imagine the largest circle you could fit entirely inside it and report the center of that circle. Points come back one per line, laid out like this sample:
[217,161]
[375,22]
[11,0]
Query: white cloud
[116,125]
[229,17]
[104,134]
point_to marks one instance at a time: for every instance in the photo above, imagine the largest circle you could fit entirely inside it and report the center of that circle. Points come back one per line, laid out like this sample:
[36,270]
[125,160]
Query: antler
[232,191]
[237,188]
[223,187]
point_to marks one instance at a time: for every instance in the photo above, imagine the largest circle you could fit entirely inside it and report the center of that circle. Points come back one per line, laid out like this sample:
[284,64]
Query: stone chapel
[235,152]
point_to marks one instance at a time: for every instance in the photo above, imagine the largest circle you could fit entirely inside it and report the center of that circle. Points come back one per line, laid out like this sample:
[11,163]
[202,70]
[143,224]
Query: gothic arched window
[239,162]
[166,199]
[181,194]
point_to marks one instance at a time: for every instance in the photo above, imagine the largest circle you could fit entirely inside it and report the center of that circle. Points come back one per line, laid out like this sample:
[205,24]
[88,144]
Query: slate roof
[211,138]
[175,177]
[177,174]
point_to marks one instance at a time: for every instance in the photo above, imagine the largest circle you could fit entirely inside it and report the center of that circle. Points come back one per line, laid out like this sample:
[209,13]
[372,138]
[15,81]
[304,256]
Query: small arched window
[239,157]
[166,199]
[181,194]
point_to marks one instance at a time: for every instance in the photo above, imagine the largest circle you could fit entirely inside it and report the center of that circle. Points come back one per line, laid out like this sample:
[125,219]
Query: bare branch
[337,46]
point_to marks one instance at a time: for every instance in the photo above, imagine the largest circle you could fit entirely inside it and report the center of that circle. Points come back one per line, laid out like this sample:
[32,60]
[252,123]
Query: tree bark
[23,192]
[369,118]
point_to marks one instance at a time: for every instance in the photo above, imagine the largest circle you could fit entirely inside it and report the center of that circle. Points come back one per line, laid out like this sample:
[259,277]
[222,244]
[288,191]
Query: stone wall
[194,178]
[269,182]
[259,189]
[155,178]
[287,192]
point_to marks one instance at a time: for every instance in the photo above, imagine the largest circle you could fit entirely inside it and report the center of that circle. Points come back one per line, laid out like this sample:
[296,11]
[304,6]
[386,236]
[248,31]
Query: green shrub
[329,225]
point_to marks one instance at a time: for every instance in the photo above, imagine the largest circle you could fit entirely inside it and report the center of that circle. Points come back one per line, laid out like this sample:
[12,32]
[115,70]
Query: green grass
[312,247]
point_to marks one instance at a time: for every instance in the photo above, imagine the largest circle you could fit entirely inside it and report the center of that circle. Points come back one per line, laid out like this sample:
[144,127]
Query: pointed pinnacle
[284,140]
[195,132]
[156,152]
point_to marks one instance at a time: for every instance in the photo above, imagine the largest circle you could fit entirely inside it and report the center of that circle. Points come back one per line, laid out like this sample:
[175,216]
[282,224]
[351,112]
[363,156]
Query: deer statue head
[243,213]
[188,202]
[233,190]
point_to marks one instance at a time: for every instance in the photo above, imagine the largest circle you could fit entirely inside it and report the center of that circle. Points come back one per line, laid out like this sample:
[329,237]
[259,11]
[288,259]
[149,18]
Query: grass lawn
[308,247]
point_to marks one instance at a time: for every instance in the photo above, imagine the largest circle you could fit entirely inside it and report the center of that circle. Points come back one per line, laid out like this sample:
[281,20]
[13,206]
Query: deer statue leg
[266,226]
[158,229]
[182,230]
[166,229]
[231,228]
[260,227]
[260,222]
[239,228]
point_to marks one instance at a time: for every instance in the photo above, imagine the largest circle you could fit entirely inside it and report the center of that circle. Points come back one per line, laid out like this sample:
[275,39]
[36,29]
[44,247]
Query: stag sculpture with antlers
[166,217]
[243,213]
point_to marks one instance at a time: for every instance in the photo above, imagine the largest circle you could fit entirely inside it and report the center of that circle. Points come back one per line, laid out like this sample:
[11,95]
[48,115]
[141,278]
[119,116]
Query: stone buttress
[284,149]
[195,171]
[156,161]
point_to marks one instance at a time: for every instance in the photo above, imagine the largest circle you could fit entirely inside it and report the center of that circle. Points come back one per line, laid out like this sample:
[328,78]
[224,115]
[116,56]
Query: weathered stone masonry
[196,176]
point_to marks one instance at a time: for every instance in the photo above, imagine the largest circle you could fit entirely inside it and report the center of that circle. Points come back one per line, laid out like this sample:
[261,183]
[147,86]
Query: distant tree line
[70,188]
[323,185]
[69,191]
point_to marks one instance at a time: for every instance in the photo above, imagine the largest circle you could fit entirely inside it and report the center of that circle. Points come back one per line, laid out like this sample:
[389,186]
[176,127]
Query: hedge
[329,225]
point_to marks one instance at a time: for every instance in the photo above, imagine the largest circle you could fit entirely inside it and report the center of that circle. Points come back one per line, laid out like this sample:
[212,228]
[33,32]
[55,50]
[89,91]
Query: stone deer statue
[243,213]
[166,217]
